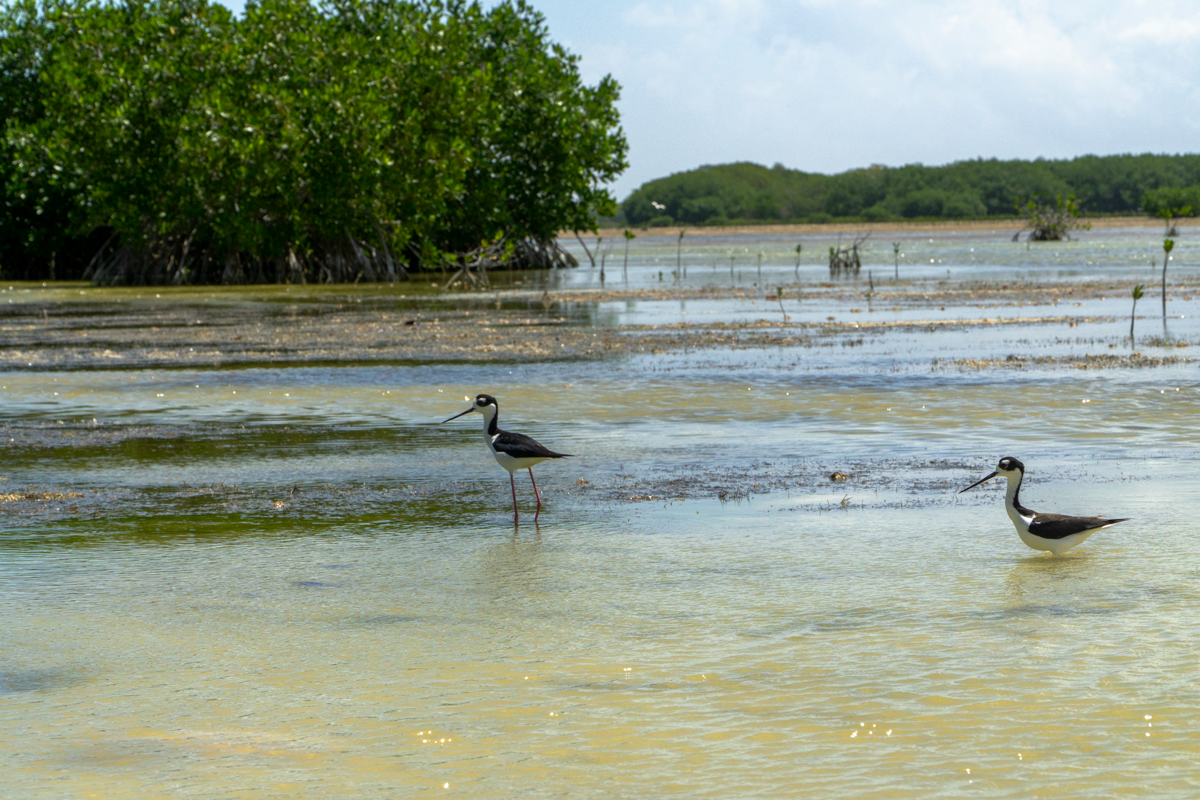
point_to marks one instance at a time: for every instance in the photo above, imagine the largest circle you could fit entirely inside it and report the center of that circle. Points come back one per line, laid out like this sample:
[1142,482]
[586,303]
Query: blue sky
[828,85]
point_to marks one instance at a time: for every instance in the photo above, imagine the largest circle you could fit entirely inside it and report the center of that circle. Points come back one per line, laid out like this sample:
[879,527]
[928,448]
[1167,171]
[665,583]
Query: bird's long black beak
[976,483]
[456,416]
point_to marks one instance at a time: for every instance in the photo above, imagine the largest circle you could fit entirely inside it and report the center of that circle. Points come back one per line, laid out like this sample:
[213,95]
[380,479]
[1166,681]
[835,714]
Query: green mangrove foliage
[744,192]
[165,141]
[1172,201]
[1050,220]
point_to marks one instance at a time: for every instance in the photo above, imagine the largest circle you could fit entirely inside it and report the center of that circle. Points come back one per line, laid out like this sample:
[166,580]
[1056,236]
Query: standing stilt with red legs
[513,451]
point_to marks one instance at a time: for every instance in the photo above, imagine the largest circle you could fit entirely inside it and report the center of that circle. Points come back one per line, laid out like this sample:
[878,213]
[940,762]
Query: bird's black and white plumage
[513,451]
[1056,533]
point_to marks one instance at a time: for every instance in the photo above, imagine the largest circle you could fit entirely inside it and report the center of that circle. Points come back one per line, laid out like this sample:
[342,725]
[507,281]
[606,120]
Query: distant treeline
[744,192]
[165,141]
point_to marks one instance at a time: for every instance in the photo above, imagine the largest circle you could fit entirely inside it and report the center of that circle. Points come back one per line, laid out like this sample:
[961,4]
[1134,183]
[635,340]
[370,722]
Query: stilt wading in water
[1056,533]
[513,451]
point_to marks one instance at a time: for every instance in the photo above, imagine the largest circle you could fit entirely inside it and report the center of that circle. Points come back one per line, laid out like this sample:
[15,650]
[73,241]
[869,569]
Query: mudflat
[73,326]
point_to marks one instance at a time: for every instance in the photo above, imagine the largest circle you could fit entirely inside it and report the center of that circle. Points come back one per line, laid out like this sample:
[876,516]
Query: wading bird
[513,451]
[1057,533]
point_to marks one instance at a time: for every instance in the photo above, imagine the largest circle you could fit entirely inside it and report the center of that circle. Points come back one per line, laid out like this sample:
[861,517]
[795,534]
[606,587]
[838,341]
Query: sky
[831,85]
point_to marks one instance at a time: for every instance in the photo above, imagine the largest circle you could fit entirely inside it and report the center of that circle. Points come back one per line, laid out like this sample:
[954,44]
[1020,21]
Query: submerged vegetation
[751,193]
[165,141]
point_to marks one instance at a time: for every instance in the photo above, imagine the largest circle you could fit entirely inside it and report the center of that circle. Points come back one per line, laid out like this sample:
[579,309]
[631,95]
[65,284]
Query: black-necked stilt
[1057,533]
[513,451]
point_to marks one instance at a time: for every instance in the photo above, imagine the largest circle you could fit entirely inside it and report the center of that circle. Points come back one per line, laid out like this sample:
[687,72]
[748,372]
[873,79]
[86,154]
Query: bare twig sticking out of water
[1168,246]
[603,258]
[1137,295]
[679,257]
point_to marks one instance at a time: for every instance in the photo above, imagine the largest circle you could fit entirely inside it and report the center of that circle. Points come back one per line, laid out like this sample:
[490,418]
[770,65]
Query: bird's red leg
[535,491]
[535,494]
[513,483]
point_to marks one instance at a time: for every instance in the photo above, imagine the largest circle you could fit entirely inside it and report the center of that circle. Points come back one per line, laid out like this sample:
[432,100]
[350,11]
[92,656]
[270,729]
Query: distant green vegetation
[165,141]
[744,192]
[1172,201]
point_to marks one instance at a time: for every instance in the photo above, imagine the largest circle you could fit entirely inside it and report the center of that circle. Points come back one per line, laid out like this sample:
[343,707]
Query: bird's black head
[1007,467]
[484,404]
[1009,464]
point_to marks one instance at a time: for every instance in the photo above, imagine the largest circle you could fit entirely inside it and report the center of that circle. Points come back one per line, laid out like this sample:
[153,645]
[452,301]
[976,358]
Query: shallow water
[289,581]
[958,255]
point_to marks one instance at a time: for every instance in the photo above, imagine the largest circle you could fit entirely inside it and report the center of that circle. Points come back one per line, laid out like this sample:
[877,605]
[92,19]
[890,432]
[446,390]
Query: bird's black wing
[518,445]
[1060,526]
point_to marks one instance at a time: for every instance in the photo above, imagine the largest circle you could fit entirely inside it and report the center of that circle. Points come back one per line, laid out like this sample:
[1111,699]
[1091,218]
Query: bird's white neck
[489,417]
[1014,486]
[1012,502]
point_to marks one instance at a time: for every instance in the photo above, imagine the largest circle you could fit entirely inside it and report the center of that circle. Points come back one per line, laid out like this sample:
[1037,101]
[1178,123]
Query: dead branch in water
[848,259]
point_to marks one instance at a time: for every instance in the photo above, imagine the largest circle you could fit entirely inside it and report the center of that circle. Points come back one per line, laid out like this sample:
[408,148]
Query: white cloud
[827,86]
[1164,30]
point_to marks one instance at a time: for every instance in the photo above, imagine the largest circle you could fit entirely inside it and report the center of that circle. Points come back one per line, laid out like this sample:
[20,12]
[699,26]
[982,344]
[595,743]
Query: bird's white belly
[1036,542]
[514,464]
[1055,546]
[1060,546]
